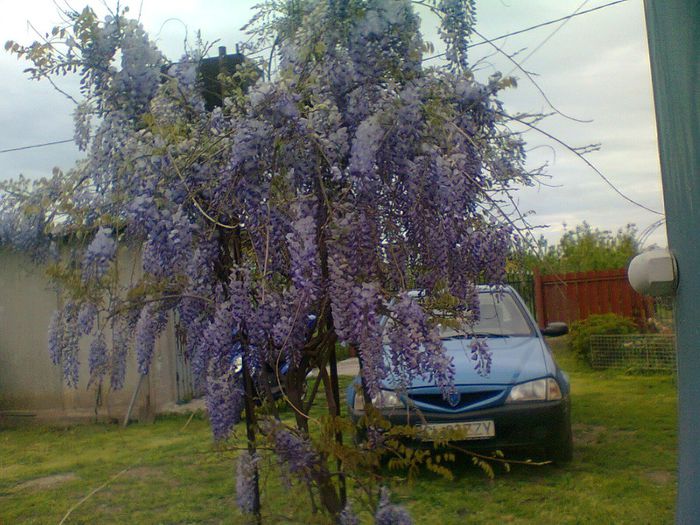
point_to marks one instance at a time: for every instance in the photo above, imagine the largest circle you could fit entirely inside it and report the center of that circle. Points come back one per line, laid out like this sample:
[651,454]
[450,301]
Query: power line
[548,37]
[647,232]
[258,51]
[543,24]
[32,146]
[584,159]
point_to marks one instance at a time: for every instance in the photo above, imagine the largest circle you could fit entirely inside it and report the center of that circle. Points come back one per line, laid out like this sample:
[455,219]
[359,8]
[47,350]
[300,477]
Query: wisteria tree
[295,217]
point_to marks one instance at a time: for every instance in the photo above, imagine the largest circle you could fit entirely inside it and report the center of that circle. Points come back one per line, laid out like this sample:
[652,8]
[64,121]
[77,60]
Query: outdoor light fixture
[654,273]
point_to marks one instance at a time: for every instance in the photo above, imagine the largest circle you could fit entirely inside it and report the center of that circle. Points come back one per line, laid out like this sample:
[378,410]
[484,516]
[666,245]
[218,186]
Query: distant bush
[599,324]
[583,249]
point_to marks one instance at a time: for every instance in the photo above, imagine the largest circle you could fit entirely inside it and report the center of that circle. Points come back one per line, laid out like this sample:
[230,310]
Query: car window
[500,315]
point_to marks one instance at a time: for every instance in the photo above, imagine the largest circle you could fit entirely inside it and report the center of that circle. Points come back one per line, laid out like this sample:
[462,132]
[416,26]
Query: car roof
[482,288]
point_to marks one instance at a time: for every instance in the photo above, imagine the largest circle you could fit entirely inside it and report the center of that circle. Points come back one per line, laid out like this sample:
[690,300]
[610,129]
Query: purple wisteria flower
[455,30]
[368,140]
[482,356]
[296,454]
[168,241]
[55,337]
[303,254]
[415,348]
[99,254]
[86,318]
[98,359]
[225,400]
[348,517]
[390,514]
[150,324]
[81,117]
[217,363]
[120,349]
[63,342]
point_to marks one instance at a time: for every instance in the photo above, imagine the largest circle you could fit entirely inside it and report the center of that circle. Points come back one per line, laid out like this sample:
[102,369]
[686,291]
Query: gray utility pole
[673,28]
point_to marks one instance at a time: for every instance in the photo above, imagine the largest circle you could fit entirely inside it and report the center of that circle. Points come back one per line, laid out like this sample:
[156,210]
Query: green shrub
[599,324]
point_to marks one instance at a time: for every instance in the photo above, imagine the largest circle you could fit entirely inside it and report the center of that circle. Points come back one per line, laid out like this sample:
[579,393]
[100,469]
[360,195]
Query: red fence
[572,296]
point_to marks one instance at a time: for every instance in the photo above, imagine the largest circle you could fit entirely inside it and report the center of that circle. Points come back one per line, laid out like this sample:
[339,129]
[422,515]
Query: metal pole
[673,29]
[127,416]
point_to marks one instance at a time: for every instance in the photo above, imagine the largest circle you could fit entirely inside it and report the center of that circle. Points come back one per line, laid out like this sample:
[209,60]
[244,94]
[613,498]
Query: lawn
[170,472]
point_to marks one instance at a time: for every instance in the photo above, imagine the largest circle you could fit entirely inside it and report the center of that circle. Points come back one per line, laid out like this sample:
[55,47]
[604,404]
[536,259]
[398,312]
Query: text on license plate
[468,430]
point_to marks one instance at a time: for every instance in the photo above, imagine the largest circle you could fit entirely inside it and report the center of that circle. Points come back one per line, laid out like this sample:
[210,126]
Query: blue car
[523,403]
[275,379]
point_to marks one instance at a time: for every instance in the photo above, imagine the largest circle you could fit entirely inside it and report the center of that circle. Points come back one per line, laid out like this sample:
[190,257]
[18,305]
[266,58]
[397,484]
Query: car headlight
[539,390]
[237,364]
[384,399]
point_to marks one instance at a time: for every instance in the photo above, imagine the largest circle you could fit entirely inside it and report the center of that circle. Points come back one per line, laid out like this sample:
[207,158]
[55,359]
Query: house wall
[31,386]
[28,380]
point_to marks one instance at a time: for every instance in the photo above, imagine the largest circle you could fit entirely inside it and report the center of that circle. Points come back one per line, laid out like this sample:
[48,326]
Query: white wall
[31,386]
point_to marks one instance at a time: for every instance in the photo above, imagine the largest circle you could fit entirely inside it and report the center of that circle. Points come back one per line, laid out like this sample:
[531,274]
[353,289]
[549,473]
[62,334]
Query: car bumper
[521,425]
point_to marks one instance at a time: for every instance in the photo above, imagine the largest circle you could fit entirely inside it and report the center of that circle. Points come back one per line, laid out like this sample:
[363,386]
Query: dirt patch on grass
[585,435]
[152,474]
[46,482]
[660,477]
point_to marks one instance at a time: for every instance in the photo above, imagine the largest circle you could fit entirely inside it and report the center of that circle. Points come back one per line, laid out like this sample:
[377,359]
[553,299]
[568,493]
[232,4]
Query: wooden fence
[573,296]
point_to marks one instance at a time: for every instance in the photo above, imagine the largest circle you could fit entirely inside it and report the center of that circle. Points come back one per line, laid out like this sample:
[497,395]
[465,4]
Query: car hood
[514,360]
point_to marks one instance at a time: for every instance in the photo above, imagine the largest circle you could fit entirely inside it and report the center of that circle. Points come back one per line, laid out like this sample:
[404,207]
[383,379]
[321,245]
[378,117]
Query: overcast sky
[595,67]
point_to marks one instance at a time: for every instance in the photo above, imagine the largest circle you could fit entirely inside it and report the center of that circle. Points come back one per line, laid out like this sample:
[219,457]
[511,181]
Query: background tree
[297,215]
[584,249]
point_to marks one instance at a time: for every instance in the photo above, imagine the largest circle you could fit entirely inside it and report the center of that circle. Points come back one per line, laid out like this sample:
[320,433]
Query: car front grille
[466,400]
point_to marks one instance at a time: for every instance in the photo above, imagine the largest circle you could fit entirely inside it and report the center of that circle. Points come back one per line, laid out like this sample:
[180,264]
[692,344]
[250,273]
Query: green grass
[623,470]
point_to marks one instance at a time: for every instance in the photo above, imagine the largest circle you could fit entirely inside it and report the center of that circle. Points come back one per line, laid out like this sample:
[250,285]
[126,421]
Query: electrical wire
[32,146]
[647,232]
[258,51]
[537,26]
[548,37]
[584,159]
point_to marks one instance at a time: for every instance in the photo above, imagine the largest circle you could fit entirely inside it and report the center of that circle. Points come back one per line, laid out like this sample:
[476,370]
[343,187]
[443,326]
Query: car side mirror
[555,329]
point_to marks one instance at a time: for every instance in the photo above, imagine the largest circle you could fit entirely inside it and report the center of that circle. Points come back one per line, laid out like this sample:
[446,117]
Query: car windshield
[500,316]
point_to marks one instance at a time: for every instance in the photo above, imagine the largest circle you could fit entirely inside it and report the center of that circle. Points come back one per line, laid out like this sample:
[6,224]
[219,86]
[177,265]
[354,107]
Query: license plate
[468,430]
